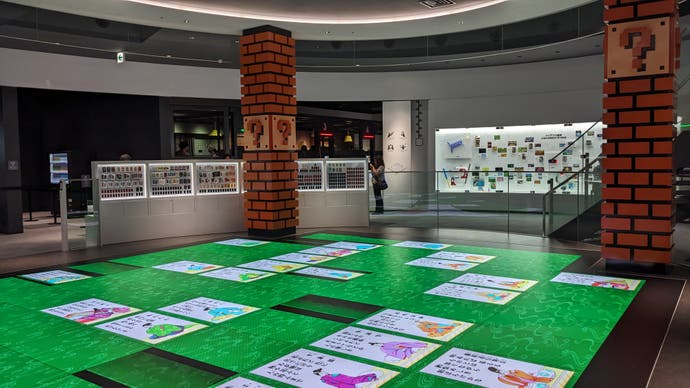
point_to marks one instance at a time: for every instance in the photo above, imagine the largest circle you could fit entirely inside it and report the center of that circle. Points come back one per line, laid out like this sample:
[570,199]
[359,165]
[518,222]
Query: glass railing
[532,202]
[80,220]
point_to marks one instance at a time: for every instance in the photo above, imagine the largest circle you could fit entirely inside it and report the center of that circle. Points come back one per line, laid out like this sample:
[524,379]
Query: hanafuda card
[90,311]
[377,346]
[307,368]
[418,325]
[477,294]
[209,310]
[486,370]
[151,327]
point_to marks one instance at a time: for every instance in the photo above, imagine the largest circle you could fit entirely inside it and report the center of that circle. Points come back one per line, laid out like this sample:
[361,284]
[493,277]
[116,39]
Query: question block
[270,133]
[640,47]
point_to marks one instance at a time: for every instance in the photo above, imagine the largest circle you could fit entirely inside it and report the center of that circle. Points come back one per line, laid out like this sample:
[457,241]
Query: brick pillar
[267,60]
[641,50]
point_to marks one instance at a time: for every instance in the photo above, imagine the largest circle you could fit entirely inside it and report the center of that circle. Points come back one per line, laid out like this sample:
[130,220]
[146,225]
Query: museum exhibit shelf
[333,192]
[141,200]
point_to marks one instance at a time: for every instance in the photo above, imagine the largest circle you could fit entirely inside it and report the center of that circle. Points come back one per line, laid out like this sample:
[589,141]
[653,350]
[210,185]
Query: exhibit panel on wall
[310,175]
[516,159]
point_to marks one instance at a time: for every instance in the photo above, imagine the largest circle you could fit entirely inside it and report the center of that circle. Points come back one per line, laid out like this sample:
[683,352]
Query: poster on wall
[486,370]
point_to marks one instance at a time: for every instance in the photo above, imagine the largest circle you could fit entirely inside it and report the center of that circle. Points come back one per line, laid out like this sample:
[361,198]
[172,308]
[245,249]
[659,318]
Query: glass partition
[80,220]
[495,200]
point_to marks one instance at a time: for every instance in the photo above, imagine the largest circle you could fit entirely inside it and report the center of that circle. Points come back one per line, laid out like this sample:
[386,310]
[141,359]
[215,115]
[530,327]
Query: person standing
[378,182]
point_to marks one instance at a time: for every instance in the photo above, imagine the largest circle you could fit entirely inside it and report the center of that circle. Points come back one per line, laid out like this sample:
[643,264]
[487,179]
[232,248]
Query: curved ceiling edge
[131,12]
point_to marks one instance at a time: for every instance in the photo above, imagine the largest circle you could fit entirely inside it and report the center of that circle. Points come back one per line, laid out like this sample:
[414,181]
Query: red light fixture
[324,131]
[367,134]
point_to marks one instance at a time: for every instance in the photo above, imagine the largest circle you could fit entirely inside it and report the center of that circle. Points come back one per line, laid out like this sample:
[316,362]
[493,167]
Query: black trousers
[379,200]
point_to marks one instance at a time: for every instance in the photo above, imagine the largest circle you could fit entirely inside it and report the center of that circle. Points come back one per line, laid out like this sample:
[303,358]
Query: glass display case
[519,159]
[217,178]
[344,175]
[122,181]
[310,175]
[170,179]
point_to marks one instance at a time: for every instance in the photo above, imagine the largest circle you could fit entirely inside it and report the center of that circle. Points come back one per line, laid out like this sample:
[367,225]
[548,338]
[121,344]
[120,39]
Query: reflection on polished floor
[593,332]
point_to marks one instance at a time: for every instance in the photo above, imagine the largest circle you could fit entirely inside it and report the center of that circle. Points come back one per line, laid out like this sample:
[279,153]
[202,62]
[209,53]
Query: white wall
[567,90]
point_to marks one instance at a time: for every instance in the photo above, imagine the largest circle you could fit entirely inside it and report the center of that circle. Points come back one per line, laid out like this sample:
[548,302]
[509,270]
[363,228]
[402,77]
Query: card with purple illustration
[308,368]
[90,311]
[377,346]
[151,327]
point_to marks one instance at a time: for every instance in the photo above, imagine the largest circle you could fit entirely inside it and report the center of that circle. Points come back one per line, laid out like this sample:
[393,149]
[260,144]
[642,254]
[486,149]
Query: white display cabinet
[166,198]
[333,193]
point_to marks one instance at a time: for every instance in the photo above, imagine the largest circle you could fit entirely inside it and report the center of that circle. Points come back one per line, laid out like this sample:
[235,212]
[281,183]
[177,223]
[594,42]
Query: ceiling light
[436,3]
[220,61]
[191,38]
[436,11]
[186,21]
[168,56]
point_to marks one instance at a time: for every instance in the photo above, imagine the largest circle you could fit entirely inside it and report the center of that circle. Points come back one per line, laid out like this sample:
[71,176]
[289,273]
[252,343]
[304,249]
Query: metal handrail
[573,142]
[552,189]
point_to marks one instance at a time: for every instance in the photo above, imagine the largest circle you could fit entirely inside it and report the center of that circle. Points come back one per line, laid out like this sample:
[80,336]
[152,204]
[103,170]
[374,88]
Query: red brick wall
[269,108]
[639,111]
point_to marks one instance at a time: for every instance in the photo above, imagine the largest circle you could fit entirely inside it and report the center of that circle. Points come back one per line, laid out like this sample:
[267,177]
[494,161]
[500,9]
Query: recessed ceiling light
[220,61]
[168,56]
[237,41]
[328,32]
[191,38]
[357,64]
[186,21]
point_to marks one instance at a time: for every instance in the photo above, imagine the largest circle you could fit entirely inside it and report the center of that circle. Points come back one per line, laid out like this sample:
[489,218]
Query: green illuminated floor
[554,324]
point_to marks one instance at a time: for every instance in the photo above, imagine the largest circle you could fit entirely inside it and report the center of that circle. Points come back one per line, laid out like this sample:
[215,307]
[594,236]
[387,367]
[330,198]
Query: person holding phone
[378,182]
